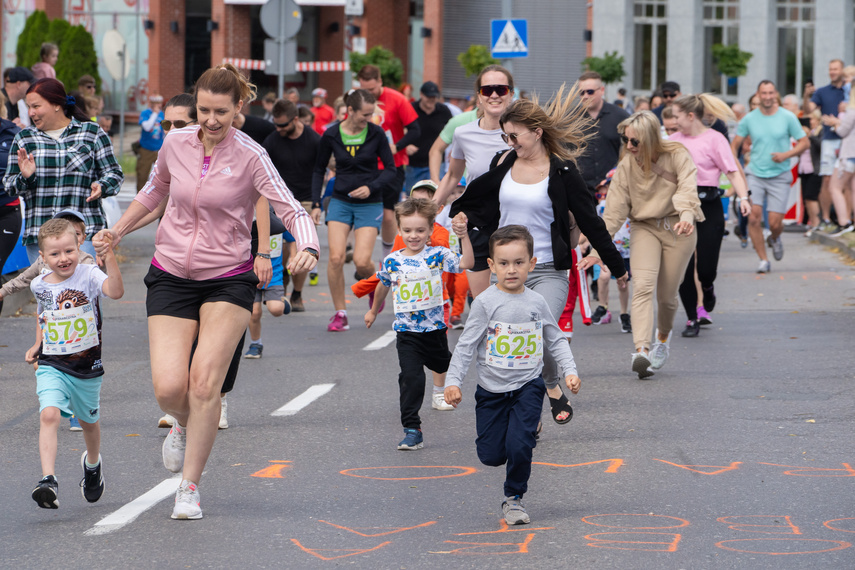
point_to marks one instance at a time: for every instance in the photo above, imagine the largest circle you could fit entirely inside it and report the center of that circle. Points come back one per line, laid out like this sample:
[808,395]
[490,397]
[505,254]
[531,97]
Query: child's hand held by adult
[453,395]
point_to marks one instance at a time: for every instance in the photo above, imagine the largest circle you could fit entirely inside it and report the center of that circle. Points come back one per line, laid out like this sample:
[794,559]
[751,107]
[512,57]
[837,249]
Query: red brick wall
[166,49]
[232,39]
[387,23]
[53,8]
[432,67]
[331,48]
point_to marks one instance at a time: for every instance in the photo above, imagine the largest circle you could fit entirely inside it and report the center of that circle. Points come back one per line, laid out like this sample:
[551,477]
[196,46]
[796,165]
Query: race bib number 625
[514,345]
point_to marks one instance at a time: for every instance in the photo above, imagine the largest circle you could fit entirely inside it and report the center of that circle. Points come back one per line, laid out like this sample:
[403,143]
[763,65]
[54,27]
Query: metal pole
[122,107]
[507,14]
[281,41]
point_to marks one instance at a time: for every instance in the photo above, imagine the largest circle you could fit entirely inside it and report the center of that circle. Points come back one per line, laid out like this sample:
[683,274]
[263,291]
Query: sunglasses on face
[285,124]
[625,139]
[500,90]
[166,125]
[588,92]
[511,137]
[669,95]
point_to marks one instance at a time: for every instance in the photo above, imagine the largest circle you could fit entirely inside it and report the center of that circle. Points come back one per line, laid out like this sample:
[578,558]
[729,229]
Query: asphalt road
[737,454]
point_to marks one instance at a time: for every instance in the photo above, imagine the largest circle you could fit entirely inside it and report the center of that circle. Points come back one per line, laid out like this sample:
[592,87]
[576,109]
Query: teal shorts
[356,215]
[72,396]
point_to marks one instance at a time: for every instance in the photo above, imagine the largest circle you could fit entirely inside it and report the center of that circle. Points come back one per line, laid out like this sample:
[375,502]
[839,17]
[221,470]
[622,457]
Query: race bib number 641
[514,345]
[418,290]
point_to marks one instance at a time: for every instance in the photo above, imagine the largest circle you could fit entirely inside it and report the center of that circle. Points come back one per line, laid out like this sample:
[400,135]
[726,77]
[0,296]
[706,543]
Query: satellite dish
[115,54]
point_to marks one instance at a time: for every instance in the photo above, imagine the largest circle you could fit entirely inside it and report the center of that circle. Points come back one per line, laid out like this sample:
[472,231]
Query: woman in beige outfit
[655,187]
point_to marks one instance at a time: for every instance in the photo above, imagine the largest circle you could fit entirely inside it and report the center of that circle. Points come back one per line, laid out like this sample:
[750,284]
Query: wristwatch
[263,255]
[313,252]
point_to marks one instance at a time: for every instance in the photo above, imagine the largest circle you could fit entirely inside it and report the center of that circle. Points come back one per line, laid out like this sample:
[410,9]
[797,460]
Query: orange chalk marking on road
[847,471]
[827,524]
[615,464]
[643,545]
[350,551]
[683,522]
[504,527]
[273,471]
[522,547]
[839,545]
[719,468]
[778,528]
[464,471]
[393,531]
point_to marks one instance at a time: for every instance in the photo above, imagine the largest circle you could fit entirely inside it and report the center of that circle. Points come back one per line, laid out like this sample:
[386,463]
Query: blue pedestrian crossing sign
[509,38]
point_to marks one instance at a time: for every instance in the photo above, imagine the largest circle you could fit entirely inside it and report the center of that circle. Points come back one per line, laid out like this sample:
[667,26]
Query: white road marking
[303,400]
[382,342]
[129,512]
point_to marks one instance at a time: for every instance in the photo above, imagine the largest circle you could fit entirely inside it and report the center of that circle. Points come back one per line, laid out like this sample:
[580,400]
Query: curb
[819,237]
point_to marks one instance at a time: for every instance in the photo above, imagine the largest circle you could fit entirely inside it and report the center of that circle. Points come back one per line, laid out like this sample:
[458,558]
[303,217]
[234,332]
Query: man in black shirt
[433,116]
[16,81]
[293,149]
[257,128]
[603,150]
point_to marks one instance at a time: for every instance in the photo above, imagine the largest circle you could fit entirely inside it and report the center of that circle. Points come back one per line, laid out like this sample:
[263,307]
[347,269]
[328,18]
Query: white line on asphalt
[303,400]
[129,512]
[382,342]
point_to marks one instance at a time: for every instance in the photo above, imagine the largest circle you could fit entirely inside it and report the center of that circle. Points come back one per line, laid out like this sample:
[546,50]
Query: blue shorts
[288,237]
[356,215]
[73,396]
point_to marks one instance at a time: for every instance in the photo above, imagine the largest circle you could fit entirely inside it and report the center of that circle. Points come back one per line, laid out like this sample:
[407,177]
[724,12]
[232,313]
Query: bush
[610,66]
[30,41]
[391,68]
[476,58]
[730,60]
[77,57]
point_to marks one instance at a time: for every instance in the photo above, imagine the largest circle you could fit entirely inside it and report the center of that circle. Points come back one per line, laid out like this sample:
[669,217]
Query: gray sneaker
[659,351]
[777,247]
[641,365]
[173,448]
[515,511]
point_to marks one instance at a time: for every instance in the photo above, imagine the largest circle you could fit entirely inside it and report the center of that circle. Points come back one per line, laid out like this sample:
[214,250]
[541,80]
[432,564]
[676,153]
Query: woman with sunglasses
[655,186]
[474,146]
[711,153]
[356,144]
[536,184]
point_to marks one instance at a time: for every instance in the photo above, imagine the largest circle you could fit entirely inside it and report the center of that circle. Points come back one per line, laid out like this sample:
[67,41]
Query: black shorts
[392,192]
[811,185]
[480,241]
[182,298]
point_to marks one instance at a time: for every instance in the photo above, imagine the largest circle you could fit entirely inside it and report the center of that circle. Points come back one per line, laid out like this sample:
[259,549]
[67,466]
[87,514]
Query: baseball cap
[17,74]
[319,92]
[426,184]
[671,86]
[70,213]
[430,89]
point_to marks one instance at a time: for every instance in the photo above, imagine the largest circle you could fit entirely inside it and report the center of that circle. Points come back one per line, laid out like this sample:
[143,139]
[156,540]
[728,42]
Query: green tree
[730,60]
[391,68]
[57,30]
[31,39]
[610,66]
[77,57]
[476,58]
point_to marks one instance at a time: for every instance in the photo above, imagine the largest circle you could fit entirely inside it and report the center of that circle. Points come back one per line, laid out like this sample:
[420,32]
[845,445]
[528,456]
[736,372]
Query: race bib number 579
[514,345]
[68,331]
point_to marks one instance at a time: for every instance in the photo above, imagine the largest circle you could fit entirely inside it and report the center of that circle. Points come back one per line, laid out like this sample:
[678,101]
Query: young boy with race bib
[272,294]
[415,276]
[68,351]
[506,332]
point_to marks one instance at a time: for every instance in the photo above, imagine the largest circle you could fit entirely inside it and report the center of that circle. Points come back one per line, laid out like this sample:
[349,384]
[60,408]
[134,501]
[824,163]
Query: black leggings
[10,232]
[710,233]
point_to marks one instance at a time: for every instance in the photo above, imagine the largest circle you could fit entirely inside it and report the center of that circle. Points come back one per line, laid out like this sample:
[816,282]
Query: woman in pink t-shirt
[712,155]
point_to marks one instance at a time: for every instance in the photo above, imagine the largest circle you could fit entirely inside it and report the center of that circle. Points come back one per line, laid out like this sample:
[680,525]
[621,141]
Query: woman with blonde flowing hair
[655,186]
[537,184]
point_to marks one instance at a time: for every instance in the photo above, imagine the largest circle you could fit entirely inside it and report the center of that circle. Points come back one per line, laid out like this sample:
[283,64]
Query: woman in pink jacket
[201,281]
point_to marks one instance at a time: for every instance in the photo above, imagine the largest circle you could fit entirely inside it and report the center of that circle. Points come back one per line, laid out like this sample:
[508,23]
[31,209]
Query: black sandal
[559,405]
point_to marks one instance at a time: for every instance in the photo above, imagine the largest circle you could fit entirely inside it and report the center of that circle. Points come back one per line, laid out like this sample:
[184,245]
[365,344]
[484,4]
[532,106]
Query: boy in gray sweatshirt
[506,332]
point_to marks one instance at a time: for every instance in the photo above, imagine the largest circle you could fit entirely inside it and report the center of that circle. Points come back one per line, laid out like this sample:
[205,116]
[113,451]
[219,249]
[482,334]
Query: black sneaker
[625,323]
[92,485]
[693,329]
[709,298]
[599,313]
[45,493]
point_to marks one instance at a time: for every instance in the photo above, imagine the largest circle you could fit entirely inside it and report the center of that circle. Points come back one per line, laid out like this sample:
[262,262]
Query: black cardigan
[567,191]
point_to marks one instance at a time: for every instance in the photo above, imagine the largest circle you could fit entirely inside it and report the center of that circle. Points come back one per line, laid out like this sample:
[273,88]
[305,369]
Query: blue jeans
[506,424]
[415,174]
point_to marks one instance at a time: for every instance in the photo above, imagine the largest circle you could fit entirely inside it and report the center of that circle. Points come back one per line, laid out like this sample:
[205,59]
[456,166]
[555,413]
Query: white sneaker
[438,402]
[166,421]
[173,448]
[641,365]
[224,413]
[659,351]
[764,266]
[187,502]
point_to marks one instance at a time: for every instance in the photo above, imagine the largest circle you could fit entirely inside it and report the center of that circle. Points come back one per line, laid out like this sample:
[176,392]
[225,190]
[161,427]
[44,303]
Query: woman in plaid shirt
[62,161]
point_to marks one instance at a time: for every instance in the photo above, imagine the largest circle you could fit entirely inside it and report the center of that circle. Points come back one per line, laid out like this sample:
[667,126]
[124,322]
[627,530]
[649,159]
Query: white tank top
[528,205]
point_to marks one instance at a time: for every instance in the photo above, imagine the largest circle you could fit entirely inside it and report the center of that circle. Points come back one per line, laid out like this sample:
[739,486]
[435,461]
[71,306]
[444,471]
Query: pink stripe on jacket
[205,231]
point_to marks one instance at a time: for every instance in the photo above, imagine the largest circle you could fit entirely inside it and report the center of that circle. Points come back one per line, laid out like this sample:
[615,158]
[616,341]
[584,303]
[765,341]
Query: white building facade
[792,42]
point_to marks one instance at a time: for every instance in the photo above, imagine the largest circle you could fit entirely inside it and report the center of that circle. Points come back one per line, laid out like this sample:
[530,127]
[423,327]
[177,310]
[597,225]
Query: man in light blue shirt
[768,173]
